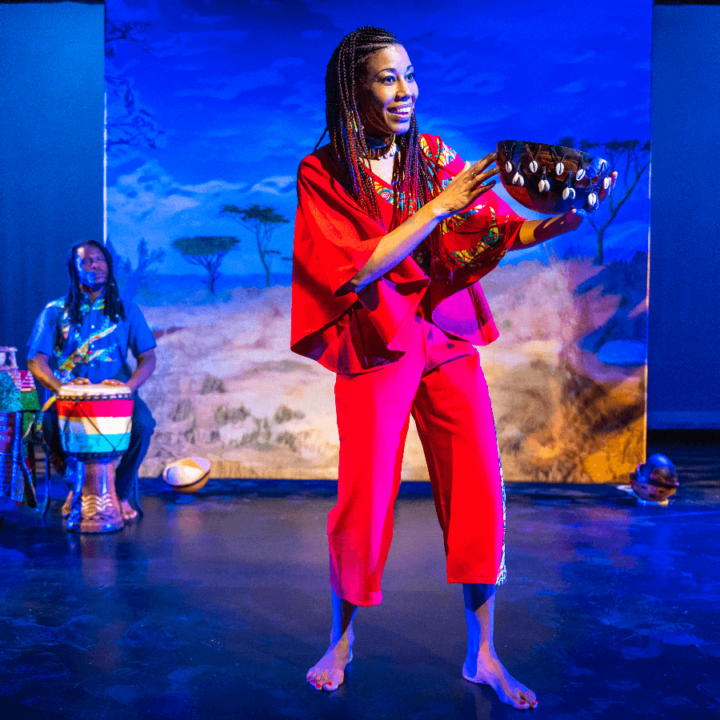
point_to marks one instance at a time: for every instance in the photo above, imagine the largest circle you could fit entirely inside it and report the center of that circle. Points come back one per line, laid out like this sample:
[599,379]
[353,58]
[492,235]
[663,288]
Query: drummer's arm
[39,366]
[533,232]
[145,366]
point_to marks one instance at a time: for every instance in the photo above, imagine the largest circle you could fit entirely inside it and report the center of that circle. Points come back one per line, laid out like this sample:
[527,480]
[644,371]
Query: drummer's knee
[142,419]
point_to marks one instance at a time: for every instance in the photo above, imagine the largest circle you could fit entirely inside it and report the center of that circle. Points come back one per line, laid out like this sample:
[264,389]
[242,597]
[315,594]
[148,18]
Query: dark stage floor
[215,606]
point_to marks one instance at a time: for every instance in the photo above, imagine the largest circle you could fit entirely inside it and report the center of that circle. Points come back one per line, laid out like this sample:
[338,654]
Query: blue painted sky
[237,90]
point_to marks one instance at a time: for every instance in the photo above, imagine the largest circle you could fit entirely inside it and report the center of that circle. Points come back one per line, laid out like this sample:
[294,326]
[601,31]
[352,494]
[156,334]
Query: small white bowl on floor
[187,475]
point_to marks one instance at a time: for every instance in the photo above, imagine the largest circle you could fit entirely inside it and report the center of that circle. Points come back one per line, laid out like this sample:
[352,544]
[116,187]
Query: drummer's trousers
[451,407]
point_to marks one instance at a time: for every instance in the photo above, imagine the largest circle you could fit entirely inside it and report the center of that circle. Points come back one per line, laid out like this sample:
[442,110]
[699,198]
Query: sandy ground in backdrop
[228,388]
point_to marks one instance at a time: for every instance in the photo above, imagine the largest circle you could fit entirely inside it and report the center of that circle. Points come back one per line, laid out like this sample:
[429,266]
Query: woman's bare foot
[485,668]
[329,673]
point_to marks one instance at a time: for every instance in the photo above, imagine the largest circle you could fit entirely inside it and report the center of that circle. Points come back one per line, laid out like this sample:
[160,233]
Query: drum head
[82,392]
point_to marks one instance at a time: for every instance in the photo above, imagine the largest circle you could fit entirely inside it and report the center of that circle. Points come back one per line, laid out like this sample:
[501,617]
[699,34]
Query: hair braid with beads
[412,174]
[74,300]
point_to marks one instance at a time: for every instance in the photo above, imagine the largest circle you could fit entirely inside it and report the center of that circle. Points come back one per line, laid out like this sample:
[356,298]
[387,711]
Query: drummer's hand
[79,381]
[112,381]
[465,187]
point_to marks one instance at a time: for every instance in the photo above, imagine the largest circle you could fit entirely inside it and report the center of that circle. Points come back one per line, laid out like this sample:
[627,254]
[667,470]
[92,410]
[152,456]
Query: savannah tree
[208,252]
[128,124]
[261,221]
[630,159]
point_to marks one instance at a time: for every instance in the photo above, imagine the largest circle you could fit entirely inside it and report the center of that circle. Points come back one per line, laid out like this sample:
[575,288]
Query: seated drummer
[83,338]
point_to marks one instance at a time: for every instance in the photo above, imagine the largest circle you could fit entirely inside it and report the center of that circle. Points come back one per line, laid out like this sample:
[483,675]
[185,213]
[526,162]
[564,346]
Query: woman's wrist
[567,222]
[437,210]
[533,232]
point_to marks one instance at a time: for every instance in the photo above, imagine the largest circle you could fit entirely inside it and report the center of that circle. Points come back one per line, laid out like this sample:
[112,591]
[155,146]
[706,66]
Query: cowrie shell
[559,168]
[533,166]
[607,182]
[508,166]
[518,179]
[580,174]
[592,199]
[568,192]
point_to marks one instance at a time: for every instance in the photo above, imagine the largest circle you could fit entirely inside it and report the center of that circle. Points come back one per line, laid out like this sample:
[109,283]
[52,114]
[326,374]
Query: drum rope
[78,405]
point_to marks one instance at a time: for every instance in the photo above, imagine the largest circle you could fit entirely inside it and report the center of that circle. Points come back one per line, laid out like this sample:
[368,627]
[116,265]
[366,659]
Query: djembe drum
[95,423]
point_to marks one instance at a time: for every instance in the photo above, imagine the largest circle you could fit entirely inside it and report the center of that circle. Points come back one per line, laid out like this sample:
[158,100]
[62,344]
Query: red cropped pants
[439,380]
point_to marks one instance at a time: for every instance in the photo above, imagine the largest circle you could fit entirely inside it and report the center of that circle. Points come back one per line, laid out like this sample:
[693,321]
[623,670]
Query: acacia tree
[630,159]
[127,123]
[131,278]
[261,221]
[208,252]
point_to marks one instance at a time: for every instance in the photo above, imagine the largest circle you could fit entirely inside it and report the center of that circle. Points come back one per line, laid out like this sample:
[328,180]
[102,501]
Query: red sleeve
[333,240]
[471,243]
[465,248]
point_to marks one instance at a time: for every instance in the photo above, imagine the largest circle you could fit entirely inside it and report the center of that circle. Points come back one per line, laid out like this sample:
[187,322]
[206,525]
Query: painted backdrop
[211,106]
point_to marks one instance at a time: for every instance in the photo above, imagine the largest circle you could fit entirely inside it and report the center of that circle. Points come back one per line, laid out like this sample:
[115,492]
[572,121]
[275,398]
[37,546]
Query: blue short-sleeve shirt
[95,349]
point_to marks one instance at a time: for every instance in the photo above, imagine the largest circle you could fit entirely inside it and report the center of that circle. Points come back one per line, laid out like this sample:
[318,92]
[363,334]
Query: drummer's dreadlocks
[412,174]
[74,299]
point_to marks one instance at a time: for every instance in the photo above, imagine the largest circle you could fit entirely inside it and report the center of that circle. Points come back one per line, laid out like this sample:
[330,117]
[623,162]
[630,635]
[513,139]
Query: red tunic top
[334,238]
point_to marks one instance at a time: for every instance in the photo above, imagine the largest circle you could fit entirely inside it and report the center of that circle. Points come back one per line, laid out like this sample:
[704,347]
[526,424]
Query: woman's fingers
[480,165]
[604,192]
[480,189]
[476,172]
[482,177]
[469,184]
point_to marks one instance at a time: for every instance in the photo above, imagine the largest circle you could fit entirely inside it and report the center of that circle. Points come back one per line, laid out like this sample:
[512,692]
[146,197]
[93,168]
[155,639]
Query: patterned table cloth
[18,405]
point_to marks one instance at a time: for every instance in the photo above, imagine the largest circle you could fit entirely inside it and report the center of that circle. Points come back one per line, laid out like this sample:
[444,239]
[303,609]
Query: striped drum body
[95,420]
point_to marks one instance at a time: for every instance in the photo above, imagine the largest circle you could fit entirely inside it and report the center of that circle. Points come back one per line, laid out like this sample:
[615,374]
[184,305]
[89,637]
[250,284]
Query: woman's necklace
[381,148]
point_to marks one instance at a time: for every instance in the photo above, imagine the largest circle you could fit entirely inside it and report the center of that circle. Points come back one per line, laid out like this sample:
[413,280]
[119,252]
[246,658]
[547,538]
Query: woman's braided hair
[74,300]
[412,174]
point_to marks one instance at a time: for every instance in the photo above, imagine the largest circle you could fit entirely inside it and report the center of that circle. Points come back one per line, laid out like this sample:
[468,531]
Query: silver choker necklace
[381,148]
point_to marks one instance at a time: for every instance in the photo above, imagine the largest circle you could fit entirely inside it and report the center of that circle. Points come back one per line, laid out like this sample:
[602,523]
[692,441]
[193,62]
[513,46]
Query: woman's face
[387,92]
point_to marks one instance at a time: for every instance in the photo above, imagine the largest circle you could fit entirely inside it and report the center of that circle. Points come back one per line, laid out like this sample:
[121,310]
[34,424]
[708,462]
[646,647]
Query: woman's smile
[404,111]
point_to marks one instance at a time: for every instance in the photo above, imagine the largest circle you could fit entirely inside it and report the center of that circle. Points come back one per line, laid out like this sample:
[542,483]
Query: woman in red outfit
[393,232]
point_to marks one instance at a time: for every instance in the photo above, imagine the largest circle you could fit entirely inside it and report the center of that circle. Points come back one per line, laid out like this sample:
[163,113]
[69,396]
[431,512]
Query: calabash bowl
[551,179]
[188,475]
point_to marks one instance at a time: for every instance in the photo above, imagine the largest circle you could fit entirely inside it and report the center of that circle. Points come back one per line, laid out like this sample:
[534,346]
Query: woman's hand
[605,192]
[465,187]
[533,232]
[400,242]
